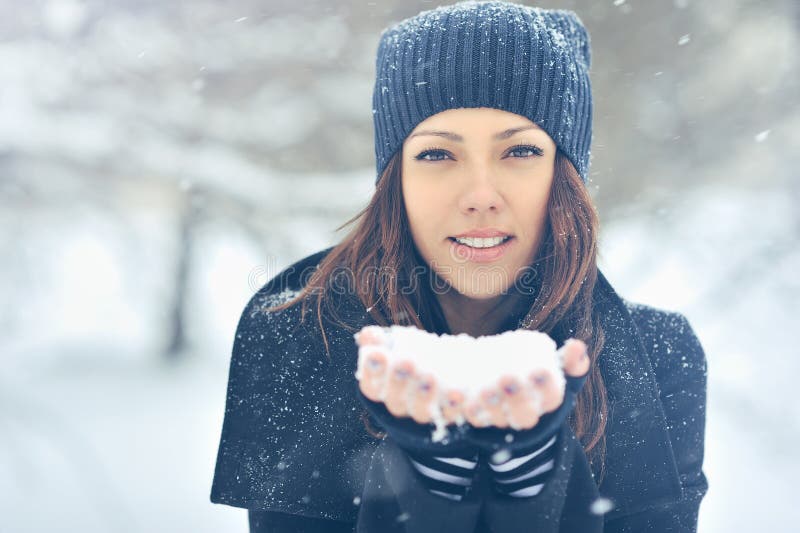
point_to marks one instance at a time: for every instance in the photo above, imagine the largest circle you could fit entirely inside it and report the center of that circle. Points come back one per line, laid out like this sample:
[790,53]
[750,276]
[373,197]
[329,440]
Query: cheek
[423,204]
[424,233]
[539,216]
[419,212]
[533,213]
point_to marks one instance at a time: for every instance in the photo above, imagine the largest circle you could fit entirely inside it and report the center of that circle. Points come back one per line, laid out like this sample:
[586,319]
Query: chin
[481,288]
[483,296]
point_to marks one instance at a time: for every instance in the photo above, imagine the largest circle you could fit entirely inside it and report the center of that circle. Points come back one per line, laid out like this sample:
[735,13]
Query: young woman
[480,223]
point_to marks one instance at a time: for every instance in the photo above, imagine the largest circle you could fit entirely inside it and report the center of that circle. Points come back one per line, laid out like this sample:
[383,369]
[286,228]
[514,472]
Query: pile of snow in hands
[462,362]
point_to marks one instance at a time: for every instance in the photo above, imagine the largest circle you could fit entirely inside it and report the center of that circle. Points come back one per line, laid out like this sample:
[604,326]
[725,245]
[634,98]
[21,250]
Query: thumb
[576,364]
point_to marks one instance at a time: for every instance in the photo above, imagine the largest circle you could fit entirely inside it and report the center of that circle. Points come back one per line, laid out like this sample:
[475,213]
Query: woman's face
[479,171]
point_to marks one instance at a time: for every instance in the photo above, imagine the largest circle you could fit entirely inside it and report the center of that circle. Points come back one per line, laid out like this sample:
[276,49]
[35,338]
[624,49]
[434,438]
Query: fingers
[492,402]
[423,397]
[374,376]
[486,409]
[398,387]
[525,405]
[476,414]
[575,357]
[370,336]
[406,393]
[547,389]
[514,404]
[452,406]
[522,406]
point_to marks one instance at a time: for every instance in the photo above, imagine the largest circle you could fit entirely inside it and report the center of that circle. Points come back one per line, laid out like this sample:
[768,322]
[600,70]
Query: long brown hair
[378,257]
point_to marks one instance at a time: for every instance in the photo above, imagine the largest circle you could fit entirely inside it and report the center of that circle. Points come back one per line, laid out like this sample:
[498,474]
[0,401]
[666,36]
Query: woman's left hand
[520,405]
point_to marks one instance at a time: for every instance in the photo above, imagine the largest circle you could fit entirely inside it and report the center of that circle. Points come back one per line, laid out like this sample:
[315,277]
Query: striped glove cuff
[449,477]
[517,476]
[523,476]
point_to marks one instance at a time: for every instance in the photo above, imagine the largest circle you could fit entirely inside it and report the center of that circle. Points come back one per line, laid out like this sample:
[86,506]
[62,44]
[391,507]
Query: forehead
[466,115]
[473,122]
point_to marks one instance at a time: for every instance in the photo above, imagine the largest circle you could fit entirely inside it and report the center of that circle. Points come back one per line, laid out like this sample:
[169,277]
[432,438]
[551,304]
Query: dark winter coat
[295,453]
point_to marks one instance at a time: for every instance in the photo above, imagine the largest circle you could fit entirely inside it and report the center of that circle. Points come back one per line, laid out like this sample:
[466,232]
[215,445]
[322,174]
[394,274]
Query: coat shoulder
[285,286]
[292,278]
[643,312]
[290,438]
[668,337]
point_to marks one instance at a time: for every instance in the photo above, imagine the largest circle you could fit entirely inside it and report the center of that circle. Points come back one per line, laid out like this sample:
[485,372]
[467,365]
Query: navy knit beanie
[530,61]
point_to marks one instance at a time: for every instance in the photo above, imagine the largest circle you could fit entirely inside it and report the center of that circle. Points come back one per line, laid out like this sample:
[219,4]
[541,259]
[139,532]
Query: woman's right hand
[510,403]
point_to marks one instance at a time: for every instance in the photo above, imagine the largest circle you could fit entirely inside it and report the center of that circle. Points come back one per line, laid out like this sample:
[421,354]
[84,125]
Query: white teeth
[479,242]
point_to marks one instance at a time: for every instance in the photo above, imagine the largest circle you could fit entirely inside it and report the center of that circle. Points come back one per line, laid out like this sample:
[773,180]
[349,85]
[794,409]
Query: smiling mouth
[481,243]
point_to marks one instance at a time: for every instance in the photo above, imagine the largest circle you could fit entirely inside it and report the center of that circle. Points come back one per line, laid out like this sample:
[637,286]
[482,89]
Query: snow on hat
[530,61]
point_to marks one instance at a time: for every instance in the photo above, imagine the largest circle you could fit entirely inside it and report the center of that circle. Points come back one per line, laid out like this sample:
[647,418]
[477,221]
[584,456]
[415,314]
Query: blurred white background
[160,161]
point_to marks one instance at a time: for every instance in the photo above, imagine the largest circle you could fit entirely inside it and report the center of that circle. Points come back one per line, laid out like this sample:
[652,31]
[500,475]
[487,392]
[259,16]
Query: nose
[480,193]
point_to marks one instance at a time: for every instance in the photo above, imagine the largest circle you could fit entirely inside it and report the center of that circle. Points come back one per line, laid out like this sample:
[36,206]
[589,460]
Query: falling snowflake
[501,456]
[601,506]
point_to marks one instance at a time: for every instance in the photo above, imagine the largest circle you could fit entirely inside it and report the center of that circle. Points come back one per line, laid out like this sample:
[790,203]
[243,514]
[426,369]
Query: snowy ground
[123,448]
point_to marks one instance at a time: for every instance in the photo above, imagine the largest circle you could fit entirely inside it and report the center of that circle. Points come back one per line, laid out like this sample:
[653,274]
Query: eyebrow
[458,138]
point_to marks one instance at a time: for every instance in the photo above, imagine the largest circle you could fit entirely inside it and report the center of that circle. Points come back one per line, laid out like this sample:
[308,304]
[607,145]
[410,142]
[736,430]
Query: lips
[483,232]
